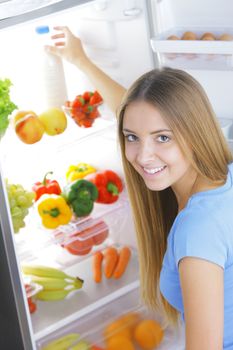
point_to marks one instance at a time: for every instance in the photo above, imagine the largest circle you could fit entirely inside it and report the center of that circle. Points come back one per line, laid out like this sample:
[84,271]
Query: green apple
[54,121]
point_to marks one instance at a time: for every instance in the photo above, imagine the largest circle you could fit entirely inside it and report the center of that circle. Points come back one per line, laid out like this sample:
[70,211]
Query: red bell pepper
[46,187]
[109,186]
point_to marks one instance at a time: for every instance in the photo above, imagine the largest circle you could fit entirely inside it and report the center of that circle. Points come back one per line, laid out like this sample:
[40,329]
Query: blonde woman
[179,176]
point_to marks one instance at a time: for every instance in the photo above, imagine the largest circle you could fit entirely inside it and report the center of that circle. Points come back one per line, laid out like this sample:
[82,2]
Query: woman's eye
[163,138]
[131,138]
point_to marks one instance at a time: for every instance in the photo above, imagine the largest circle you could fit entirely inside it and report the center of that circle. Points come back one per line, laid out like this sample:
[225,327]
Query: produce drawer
[215,52]
[117,319]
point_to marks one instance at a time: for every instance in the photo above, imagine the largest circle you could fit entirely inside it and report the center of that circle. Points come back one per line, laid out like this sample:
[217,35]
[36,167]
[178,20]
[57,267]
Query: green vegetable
[6,105]
[81,195]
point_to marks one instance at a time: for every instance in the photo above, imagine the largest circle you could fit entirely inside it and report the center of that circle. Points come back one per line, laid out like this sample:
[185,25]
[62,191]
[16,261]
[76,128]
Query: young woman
[180,182]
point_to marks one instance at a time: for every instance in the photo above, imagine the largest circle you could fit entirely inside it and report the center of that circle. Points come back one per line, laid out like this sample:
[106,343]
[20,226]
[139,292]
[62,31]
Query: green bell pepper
[81,195]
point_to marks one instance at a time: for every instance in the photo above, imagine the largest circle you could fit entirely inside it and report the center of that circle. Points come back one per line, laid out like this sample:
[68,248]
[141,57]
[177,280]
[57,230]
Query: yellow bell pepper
[54,211]
[79,171]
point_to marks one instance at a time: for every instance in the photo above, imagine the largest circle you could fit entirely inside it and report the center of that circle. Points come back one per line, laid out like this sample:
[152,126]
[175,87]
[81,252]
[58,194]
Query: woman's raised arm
[69,47]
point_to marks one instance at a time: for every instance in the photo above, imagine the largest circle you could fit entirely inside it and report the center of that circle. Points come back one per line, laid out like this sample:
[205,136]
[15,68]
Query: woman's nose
[146,152]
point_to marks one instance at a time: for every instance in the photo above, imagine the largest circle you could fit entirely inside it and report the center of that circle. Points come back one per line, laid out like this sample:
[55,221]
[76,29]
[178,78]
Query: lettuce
[6,105]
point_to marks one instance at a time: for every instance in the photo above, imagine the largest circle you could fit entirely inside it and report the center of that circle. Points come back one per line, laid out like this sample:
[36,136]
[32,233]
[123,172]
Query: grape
[20,200]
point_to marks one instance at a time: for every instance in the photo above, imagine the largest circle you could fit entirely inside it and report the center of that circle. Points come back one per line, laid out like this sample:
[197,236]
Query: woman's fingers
[58,36]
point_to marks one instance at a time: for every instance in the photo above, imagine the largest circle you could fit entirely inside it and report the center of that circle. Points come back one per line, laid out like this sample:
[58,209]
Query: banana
[45,271]
[82,345]
[63,343]
[49,295]
[49,283]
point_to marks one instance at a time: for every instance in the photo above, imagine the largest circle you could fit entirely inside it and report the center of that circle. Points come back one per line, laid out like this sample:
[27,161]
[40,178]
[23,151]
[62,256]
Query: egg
[189,36]
[173,37]
[226,37]
[172,55]
[208,36]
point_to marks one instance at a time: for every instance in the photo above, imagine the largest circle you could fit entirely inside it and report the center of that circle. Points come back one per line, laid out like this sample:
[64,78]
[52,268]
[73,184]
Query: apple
[28,127]
[54,121]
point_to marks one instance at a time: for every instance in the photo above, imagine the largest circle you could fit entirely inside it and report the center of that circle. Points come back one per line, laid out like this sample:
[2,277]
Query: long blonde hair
[186,109]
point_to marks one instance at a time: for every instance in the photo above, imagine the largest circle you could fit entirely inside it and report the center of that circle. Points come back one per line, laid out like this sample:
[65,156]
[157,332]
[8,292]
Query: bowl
[83,116]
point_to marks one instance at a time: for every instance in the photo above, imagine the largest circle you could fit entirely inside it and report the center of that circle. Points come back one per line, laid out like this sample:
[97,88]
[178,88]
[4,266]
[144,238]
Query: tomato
[82,245]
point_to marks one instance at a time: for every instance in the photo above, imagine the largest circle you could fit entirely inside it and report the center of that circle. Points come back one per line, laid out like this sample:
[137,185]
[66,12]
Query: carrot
[97,266]
[124,257]
[111,258]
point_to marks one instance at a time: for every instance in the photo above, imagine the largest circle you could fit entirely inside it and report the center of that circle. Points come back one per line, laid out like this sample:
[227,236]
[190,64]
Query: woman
[179,177]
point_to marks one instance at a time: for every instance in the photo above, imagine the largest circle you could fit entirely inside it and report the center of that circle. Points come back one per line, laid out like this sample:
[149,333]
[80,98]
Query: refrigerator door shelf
[91,327]
[214,54]
[52,316]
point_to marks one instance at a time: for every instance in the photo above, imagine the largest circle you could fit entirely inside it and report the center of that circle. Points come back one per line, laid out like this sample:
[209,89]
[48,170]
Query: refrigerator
[125,38]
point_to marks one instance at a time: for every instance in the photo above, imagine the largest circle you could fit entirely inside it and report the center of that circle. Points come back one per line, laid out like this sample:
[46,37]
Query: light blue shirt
[203,229]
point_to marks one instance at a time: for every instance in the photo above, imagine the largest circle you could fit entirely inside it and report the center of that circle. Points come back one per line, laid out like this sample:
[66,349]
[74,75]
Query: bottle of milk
[52,84]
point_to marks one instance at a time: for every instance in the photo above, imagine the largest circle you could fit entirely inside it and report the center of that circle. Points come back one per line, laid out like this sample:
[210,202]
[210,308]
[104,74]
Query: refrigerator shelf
[91,327]
[74,242]
[195,54]
[54,315]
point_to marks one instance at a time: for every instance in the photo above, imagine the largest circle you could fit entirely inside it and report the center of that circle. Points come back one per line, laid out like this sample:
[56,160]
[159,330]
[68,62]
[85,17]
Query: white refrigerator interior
[125,38]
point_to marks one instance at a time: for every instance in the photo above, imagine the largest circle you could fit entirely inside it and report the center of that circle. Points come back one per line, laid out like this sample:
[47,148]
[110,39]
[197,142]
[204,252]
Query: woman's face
[152,150]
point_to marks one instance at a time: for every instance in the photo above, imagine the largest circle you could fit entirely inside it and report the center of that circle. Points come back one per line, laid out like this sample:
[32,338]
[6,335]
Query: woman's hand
[69,47]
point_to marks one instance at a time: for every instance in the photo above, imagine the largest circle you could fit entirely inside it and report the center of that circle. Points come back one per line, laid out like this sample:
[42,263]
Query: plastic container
[31,290]
[52,83]
[83,236]
[195,54]
[116,320]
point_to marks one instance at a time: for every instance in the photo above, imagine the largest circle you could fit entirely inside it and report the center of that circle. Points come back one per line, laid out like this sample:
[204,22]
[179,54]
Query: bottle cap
[42,29]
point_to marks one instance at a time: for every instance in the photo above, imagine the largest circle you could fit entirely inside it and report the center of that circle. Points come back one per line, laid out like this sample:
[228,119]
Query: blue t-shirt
[203,229]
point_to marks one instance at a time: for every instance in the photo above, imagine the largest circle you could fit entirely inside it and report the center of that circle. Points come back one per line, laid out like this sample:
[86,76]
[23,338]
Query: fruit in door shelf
[109,185]
[54,121]
[46,186]
[148,334]
[110,261]
[7,106]
[118,342]
[28,127]
[53,210]
[20,200]
[84,108]
[82,345]
[56,284]
[124,255]
[82,241]
[62,343]
[122,326]
[81,195]
[97,260]
[79,171]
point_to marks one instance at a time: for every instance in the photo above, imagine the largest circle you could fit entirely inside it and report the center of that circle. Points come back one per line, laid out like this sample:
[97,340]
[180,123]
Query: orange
[148,334]
[120,342]
[123,326]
